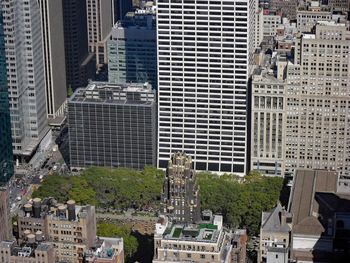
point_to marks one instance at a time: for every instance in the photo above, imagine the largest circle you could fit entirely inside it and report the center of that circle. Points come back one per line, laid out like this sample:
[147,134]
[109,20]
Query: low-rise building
[205,241]
[70,228]
[239,246]
[275,235]
[106,250]
[321,218]
[29,252]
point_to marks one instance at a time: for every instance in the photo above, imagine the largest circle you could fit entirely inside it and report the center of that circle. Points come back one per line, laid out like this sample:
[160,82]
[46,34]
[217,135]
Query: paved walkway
[126,216]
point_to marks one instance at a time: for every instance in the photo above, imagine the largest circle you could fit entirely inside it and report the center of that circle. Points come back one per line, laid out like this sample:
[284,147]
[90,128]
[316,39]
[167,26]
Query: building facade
[308,16]
[25,75]
[317,106]
[80,65]
[132,49]
[54,56]
[5,217]
[199,243]
[288,7]
[71,228]
[275,229]
[27,253]
[180,197]
[121,7]
[268,121]
[271,21]
[6,156]
[203,68]
[99,24]
[112,125]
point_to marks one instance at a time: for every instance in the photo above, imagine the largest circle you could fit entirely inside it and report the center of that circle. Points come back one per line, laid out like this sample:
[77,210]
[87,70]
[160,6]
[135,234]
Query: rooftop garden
[177,232]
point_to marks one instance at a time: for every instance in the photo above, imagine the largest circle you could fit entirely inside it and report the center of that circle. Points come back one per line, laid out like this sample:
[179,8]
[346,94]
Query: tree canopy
[240,203]
[107,188]
[112,230]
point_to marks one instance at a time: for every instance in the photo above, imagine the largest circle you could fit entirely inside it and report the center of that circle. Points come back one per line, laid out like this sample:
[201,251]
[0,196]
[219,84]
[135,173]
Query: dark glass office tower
[6,157]
[121,7]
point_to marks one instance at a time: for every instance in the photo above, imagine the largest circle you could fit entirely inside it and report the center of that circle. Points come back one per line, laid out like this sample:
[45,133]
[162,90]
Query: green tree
[111,230]
[69,91]
[240,203]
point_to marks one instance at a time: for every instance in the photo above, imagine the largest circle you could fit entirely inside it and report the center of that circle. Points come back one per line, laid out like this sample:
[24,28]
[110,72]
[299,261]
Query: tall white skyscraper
[204,50]
[25,74]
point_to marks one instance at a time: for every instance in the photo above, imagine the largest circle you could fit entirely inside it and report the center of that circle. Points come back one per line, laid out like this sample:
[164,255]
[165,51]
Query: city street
[43,163]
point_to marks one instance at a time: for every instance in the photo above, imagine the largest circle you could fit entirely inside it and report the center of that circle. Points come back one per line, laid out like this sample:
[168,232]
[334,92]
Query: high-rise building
[204,55]
[318,101]
[6,157]
[268,120]
[121,7]
[132,49]
[112,125]
[99,25]
[180,198]
[80,65]
[25,75]
[54,56]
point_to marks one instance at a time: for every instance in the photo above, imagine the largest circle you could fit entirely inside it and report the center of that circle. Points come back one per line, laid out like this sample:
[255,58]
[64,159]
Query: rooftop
[106,248]
[25,249]
[198,233]
[125,93]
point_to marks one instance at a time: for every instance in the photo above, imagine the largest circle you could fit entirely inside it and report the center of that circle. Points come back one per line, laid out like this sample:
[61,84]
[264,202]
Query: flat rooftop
[205,232]
[124,93]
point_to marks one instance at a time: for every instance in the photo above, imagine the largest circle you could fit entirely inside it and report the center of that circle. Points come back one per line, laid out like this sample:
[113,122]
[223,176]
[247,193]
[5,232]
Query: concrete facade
[195,243]
[71,228]
[274,244]
[54,56]
[29,253]
[5,218]
[317,125]
[100,20]
[268,120]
